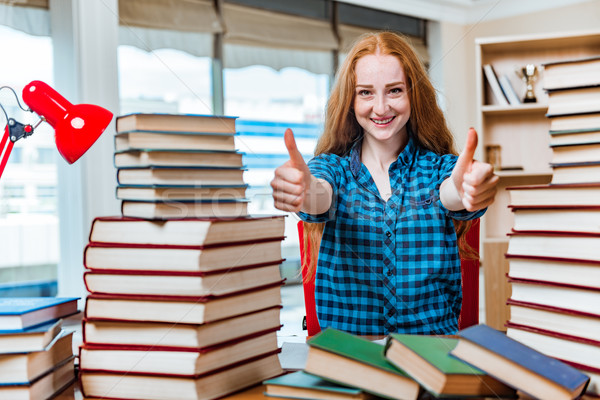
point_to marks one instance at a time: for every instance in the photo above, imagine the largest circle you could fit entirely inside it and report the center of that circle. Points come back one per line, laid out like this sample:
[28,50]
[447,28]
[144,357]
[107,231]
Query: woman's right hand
[291,179]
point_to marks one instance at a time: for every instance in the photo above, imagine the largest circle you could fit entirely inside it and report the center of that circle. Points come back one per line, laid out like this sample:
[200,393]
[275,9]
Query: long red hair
[341,128]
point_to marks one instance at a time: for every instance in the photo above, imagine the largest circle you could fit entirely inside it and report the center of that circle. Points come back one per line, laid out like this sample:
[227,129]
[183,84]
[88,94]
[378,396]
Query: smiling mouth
[382,121]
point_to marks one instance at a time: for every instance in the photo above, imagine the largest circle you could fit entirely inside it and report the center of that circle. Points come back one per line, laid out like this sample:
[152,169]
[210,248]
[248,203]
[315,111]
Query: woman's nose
[380,105]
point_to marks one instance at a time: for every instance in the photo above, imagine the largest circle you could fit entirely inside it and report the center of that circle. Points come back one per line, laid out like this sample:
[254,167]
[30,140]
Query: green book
[300,385]
[427,359]
[348,359]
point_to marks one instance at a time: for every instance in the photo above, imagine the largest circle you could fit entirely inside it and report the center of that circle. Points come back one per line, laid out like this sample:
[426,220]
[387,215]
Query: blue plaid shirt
[388,266]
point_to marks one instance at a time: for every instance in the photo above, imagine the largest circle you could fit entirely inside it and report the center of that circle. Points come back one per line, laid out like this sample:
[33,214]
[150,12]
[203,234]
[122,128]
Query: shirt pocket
[422,199]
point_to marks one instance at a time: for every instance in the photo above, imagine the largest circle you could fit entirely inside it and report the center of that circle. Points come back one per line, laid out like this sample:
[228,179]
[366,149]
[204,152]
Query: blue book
[18,313]
[517,365]
[34,338]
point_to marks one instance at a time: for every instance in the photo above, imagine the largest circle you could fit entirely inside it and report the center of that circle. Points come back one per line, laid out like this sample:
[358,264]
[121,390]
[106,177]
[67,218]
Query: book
[427,360]
[566,154]
[492,80]
[508,90]
[572,73]
[180,192]
[180,176]
[143,257]
[573,101]
[175,123]
[552,294]
[557,219]
[24,368]
[179,309]
[17,313]
[190,336]
[212,385]
[186,232]
[554,195]
[185,209]
[517,365]
[175,360]
[177,158]
[580,172]
[44,387]
[574,137]
[148,140]
[348,359]
[574,123]
[180,284]
[555,319]
[31,339]
[582,273]
[300,385]
[593,389]
[557,345]
[576,246]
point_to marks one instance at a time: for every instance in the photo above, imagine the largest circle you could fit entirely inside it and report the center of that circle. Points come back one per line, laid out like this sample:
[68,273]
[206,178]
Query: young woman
[385,197]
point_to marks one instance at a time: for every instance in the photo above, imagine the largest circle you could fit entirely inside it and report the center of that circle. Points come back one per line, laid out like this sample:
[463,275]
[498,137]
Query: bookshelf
[521,131]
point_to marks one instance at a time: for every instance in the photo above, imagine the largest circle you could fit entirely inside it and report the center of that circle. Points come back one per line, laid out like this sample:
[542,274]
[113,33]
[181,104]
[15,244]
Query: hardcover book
[180,192]
[574,123]
[225,208]
[212,385]
[574,272]
[573,101]
[17,313]
[574,137]
[180,309]
[555,319]
[492,80]
[160,140]
[185,336]
[574,245]
[31,339]
[427,360]
[44,387]
[565,218]
[555,195]
[518,365]
[578,172]
[175,123]
[180,176]
[142,257]
[347,359]
[575,153]
[177,158]
[216,283]
[175,361]
[572,73]
[186,232]
[300,385]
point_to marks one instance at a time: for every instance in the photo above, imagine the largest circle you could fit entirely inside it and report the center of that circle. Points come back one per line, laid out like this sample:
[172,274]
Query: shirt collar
[404,158]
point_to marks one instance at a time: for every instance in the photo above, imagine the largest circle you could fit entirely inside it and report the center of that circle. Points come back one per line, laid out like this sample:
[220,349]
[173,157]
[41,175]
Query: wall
[457,52]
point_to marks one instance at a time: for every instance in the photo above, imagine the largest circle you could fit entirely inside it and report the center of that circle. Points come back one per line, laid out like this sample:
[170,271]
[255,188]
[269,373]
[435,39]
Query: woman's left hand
[473,182]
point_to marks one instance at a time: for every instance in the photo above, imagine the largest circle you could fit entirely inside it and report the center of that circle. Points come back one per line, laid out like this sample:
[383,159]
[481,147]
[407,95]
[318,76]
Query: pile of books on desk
[554,249]
[36,354]
[184,286]
[480,362]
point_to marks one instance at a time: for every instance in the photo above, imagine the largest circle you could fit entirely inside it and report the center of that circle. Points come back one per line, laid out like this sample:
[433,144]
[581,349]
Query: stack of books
[36,354]
[177,166]
[479,362]
[554,249]
[184,303]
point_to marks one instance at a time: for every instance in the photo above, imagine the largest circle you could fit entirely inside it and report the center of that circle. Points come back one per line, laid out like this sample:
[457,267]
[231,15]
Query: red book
[186,232]
[175,361]
[555,195]
[123,256]
[169,335]
[212,385]
[585,219]
[181,283]
[573,245]
[557,345]
[181,309]
[584,273]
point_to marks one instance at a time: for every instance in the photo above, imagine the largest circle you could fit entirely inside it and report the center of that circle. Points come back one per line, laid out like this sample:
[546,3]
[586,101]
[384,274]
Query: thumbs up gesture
[291,179]
[472,185]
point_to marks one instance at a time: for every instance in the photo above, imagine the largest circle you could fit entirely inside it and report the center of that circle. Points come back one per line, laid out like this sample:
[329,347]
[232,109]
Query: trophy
[528,74]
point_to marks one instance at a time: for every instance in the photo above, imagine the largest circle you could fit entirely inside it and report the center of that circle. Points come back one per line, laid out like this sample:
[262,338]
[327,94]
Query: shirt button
[391,313]
[388,234]
[390,272]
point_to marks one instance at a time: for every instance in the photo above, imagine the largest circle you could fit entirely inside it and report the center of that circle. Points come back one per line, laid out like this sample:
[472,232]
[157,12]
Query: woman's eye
[364,92]
[396,91]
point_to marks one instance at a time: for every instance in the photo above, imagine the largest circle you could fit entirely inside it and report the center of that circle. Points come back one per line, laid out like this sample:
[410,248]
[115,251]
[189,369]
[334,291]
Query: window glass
[28,222]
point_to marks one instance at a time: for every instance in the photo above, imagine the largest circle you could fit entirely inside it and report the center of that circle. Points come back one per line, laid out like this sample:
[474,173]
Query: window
[30,221]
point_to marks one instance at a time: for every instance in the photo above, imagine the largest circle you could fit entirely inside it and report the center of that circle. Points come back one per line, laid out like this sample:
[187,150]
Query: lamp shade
[76,126]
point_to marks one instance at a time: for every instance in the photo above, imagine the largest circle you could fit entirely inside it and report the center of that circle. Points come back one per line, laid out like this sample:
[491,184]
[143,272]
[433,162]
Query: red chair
[469,313]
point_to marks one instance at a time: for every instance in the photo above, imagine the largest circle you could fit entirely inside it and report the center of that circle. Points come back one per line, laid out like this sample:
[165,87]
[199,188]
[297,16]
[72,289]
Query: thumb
[465,159]
[295,155]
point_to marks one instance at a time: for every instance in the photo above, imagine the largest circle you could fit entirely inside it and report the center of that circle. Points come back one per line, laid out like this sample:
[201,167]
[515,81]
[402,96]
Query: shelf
[524,174]
[531,108]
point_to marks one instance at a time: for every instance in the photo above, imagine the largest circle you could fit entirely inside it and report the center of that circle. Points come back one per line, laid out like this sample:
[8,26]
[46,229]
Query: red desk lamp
[76,127]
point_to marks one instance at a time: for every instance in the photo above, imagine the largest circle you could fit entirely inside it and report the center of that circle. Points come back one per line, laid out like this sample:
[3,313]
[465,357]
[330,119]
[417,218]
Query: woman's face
[381,103]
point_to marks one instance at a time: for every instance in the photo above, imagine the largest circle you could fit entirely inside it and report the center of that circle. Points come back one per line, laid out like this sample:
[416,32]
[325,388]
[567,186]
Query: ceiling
[463,11]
